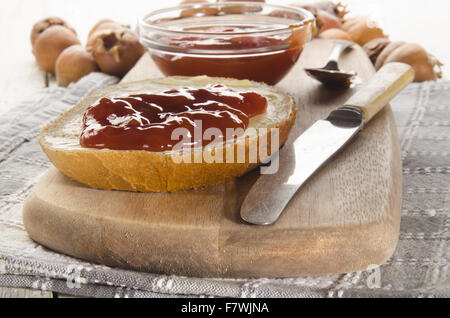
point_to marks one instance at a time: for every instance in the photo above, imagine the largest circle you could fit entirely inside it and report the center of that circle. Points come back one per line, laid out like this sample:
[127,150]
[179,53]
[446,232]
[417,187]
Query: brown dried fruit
[46,23]
[50,44]
[327,21]
[335,34]
[100,24]
[74,63]
[117,51]
[339,10]
[328,14]
[381,59]
[375,47]
[104,25]
[427,68]
[362,30]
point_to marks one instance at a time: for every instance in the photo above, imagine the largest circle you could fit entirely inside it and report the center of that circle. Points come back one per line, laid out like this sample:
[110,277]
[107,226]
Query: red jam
[277,57]
[148,121]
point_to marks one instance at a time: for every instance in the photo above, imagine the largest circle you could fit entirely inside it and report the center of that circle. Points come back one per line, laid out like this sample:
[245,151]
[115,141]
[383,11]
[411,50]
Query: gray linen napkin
[417,269]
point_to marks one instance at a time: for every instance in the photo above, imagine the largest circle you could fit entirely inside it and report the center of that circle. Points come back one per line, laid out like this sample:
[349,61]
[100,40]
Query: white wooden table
[421,21]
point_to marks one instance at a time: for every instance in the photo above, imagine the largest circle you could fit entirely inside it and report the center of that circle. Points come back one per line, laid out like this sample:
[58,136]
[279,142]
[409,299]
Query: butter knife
[271,193]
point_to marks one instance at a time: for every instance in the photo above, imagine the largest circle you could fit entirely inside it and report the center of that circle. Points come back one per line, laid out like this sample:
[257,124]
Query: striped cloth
[418,268]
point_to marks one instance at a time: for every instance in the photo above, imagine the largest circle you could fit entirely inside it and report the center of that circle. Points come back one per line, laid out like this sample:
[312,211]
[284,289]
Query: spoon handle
[338,48]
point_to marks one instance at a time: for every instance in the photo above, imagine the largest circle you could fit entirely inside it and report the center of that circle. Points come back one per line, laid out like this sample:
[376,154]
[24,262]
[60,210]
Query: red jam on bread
[149,121]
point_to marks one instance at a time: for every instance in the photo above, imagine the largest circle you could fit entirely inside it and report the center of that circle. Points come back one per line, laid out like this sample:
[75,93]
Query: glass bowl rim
[309,17]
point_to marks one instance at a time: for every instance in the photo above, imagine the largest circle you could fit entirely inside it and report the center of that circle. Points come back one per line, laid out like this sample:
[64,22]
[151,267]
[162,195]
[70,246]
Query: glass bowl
[243,40]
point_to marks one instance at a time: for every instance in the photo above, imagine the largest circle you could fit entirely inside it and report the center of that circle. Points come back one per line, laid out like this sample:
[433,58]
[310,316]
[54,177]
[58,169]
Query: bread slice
[145,171]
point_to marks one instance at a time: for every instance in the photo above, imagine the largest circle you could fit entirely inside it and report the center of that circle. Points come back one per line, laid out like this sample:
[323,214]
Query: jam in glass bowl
[243,40]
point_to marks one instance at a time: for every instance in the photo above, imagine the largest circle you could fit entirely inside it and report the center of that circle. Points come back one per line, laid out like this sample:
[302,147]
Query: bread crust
[145,171]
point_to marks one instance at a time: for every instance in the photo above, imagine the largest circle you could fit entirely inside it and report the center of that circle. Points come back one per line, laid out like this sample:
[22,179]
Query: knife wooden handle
[381,88]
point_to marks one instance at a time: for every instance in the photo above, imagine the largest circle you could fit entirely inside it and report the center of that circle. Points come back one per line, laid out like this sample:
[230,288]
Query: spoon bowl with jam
[243,40]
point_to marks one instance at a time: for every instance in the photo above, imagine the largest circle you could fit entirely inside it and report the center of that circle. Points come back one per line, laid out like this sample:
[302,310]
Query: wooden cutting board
[344,219]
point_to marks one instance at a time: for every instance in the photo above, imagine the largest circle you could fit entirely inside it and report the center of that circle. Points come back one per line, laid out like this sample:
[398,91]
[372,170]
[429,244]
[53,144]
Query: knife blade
[271,193]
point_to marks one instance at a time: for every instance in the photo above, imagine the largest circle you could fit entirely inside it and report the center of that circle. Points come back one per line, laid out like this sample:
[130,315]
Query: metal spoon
[330,73]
